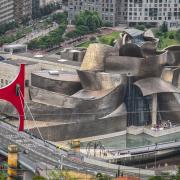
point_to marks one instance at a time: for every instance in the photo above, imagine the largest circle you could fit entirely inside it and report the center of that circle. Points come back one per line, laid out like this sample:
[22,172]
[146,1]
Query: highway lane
[37,152]
[43,152]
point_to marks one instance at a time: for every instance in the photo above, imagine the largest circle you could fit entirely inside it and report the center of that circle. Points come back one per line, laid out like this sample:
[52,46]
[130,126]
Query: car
[2,58]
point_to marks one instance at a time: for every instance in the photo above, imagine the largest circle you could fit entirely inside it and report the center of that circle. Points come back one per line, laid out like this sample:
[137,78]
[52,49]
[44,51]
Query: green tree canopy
[86,22]
[89,19]
[177,35]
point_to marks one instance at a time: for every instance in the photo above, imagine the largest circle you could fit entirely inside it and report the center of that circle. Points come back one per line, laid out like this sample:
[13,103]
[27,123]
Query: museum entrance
[139,107]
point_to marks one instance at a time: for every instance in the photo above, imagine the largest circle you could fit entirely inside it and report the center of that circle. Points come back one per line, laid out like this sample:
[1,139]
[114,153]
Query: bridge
[35,154]
[144,150]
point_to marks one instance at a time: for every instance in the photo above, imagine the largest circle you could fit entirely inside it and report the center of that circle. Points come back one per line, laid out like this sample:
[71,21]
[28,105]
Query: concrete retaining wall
[82,129]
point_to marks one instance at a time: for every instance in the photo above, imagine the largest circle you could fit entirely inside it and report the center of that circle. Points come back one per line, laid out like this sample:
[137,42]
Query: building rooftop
[50,58]
[61,75]
[16,46]
[18,62]
[134,32]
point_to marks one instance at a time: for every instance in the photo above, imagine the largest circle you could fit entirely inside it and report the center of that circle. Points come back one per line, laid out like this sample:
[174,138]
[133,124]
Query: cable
[32,116]
[94,113]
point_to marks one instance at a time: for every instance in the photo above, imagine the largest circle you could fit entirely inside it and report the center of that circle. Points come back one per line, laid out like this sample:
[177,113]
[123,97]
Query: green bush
[141,27]
[164,27]
[177,35]
[171,36]
[86,22]
[165,35]
[39,178]
[108,24]
[156,178]
[54,37]
[8,26]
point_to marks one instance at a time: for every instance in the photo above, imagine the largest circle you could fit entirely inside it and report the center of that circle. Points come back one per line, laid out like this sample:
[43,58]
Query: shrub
[171,36]
[141,27]
[39,178]
[164,27]
[177,35]
[107,24]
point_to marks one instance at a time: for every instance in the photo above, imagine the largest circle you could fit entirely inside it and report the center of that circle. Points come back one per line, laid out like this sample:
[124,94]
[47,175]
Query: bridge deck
[41,152]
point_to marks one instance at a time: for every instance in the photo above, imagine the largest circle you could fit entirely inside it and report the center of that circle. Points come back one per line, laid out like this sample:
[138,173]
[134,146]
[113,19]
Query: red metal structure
[14,93]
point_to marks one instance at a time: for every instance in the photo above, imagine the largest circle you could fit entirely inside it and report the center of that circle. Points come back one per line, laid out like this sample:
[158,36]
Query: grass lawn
[84,44]
[165,42]
[108,39]
[167,39]
[27,30]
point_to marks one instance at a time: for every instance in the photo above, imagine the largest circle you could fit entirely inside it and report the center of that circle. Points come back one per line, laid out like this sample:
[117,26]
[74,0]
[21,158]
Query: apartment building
[130,12]
[154,11]
[107,9]
[14,10]
[22,8]
[43,3]
[6,11]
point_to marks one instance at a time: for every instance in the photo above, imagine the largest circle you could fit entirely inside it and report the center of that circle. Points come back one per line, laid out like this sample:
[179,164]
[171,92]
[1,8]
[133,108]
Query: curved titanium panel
[131,50]
[169,104]
[99,80]
[174,55]
[140,67]
[89,80]
[52,98]
[151,86]
[171,75]
[101,103]
[95,56]
[69,84]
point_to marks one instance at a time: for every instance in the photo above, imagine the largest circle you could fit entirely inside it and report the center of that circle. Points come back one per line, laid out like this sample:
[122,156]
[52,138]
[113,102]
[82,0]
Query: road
[34,35]
[40,152]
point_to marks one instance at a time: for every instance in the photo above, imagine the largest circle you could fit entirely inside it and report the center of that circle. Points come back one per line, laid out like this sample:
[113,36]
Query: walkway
[118,153]
[34,35]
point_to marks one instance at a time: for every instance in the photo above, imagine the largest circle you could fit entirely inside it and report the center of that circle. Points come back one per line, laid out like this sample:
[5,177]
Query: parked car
[2,58]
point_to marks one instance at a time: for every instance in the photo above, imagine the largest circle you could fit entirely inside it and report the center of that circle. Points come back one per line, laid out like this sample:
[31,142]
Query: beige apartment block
[22,8]
[6,11]
[14,10]
[43,3]
[131,12]
[107,9]
[154,11]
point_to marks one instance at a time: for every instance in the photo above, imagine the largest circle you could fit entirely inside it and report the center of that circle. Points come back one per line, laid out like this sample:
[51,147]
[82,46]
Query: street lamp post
[155,156]
[61,161]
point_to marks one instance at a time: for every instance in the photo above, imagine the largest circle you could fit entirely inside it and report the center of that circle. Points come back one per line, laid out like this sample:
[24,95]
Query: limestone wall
[82,129]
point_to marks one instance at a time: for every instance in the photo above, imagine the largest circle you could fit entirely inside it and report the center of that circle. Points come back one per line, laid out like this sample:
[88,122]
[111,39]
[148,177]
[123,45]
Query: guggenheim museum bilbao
[130,84]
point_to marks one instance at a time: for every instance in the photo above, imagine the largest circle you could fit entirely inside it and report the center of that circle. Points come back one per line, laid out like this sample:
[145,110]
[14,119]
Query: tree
[164,27]
[141,27]
[86,22]
[156,178]
[54,37]
[8,26]
[177,35]
[107,24]
[57,174]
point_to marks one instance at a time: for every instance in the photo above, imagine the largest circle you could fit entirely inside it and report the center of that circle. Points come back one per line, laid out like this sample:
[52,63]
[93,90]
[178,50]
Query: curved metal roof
[134,32]
[151,86]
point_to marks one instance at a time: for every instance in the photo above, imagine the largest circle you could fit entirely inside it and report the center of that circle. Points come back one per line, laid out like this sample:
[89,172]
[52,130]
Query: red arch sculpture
[14,93]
